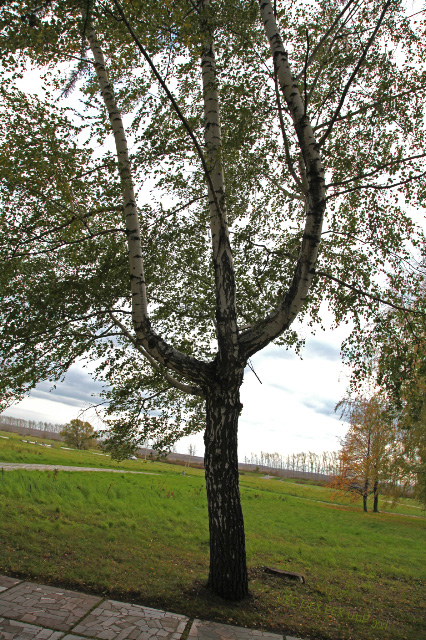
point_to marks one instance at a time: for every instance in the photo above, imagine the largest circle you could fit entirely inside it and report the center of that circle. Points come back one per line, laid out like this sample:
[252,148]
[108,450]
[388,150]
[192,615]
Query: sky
[291,410]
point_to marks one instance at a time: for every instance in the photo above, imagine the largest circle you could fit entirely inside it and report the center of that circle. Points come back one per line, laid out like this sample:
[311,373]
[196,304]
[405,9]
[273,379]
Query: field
[144,539]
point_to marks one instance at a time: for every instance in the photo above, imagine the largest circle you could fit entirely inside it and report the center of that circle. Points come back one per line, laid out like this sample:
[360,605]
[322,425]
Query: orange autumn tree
[368,448]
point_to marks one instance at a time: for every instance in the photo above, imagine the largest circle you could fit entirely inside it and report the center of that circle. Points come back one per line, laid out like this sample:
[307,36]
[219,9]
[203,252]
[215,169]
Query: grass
[144,539]
[13,449]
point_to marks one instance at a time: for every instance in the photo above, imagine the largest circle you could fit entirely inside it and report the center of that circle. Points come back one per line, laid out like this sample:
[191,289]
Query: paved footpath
[13,466]
[30,611]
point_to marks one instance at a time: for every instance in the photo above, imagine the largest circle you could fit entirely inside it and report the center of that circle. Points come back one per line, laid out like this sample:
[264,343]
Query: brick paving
[30,611]
[6,583]
[118,621]
[58,609]
[13,630]
[215,631]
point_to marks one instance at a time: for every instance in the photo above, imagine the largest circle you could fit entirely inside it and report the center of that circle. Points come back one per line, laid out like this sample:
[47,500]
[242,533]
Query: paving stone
[46,606]
[70,636]
[113,620]
[13,630]
[202,630]
[6,582]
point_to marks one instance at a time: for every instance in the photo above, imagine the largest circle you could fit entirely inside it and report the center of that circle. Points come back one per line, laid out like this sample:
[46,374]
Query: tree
[78,434]
[202,237]
[395,344]
[192,450]
[368,449]
[408,410]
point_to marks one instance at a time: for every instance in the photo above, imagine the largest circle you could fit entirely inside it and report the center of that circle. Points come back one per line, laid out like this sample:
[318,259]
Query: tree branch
[172,100]
[371,105]
[376,170]
[354,74]
[372,296]
[191,389]
[281,318]
[289,161]
[310,58]
[378,187]
[158,349]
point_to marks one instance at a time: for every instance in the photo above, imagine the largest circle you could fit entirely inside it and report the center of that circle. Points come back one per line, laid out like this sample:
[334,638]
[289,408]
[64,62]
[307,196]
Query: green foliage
[79,434]
[64,264]
[394,349]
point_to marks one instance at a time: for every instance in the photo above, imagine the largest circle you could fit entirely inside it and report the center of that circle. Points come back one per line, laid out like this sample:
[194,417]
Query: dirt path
[13,466]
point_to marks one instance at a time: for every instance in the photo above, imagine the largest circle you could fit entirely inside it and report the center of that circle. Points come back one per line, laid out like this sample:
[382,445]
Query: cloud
[321,349]
[77,390]
[320,405]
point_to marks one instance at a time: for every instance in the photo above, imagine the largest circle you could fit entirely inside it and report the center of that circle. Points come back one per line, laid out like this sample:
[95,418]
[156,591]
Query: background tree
[192,450]
[395,342]
[275,177]
[368,449]
[79,434]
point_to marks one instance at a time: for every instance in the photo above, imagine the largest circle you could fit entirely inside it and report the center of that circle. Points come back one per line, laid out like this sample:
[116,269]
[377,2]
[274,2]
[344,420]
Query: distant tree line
[327,462]
[31,424]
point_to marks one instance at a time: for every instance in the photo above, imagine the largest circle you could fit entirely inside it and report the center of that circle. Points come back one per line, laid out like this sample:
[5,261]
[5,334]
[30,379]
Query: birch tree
[226,170]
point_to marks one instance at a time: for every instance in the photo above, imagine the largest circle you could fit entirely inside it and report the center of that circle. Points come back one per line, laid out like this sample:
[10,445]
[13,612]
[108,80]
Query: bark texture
[281,318]
[376,497]
[223,262]
[228,567]
[156,348]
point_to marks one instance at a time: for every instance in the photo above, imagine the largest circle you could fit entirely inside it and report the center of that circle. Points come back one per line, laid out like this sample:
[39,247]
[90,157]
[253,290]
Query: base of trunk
[228,566]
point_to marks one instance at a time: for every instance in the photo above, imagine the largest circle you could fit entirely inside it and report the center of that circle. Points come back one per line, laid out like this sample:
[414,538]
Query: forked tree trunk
[228,567]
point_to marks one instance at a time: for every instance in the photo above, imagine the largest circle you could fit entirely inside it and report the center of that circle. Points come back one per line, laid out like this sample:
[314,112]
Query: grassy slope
[145,539]
[13,449]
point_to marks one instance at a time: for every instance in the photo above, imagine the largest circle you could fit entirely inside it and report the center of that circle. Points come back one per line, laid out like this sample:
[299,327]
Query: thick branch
[281,318]
[158,349]
[137,277]
[191,389]
[223,263]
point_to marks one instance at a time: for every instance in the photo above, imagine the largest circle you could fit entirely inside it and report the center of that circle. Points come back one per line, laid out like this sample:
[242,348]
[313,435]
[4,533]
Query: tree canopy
[263,165]
[79,434]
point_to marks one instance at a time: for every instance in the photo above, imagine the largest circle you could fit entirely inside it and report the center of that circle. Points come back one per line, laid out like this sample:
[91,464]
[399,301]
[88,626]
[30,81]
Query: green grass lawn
[13,449]
[145,539]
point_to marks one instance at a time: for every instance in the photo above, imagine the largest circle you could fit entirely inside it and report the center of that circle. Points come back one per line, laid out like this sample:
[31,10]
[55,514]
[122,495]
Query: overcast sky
[291,411]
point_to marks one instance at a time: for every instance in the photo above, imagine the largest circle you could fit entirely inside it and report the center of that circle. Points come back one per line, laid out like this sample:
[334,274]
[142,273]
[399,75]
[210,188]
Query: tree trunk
[364,501]
[376,497]
[228,567]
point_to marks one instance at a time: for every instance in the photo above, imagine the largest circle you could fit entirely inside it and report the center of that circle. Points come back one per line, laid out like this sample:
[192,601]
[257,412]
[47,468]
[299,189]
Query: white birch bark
[137,277]
[281,318]
[154,345]
[226,316]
